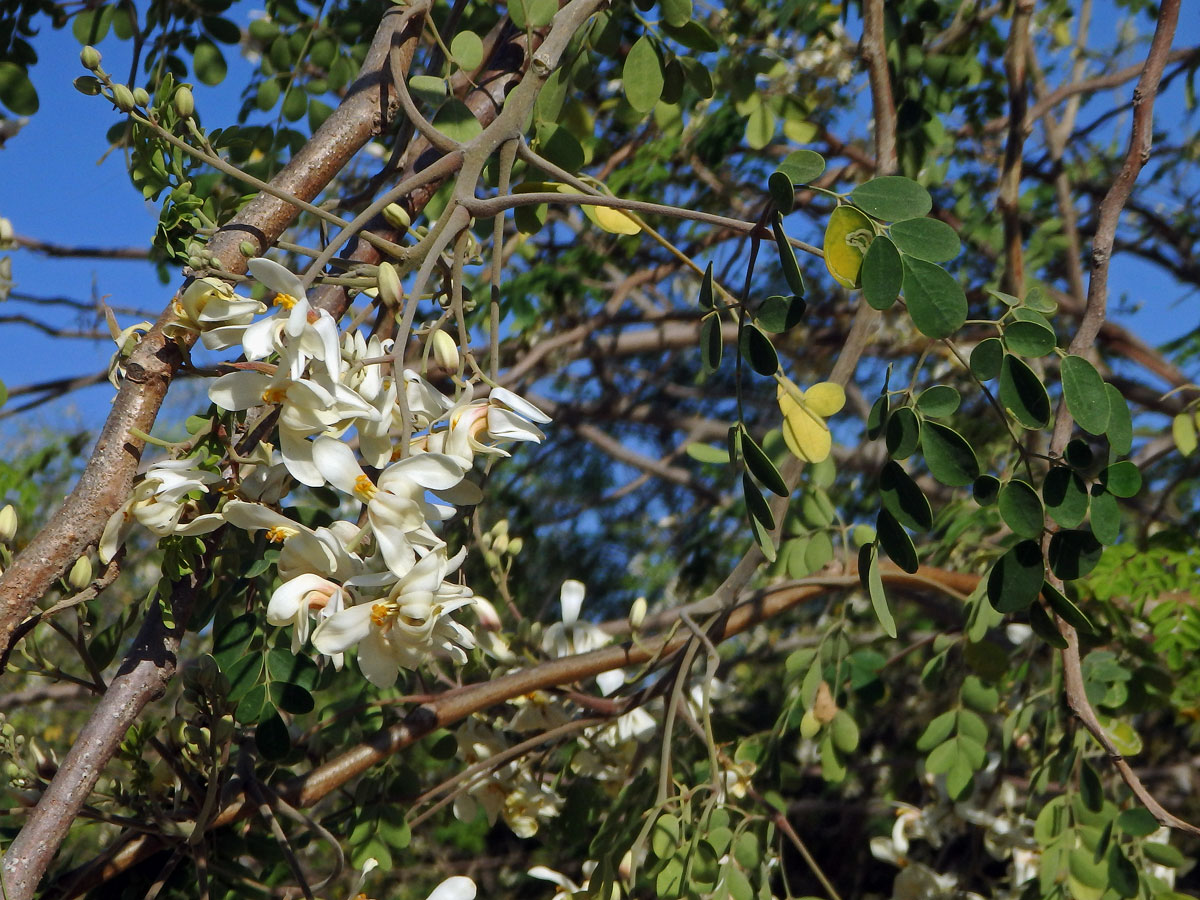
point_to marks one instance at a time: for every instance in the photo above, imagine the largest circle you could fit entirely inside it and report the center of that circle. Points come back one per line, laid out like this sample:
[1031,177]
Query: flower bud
[445,351]
[390,291]
[88,85]
[122,98]
[185,103]
[90,57]
[8,523]
[500,544]
[515,545]
[141,96]
[81,573]
[247,249]
[809,725]
[637,613]
[397,216]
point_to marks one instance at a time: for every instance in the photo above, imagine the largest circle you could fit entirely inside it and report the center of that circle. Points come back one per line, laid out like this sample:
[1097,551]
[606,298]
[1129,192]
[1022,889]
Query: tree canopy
[636,449]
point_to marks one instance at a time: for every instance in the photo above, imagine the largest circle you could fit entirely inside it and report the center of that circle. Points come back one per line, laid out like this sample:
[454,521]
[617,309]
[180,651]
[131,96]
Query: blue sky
[54,187]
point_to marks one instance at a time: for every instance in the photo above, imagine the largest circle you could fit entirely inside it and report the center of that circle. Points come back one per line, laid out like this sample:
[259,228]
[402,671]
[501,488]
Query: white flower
[297,601]
[320,551]
[159,502]
[396,506]
[210,306]
[406,629]
[572,636]
[478,426]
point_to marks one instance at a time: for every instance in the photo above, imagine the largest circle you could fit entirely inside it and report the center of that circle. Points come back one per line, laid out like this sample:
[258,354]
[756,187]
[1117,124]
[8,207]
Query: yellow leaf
[826,398]
[847,237]
[613,220]
[804,432]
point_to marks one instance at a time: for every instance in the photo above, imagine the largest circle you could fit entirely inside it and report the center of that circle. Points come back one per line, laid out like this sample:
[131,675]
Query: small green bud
[515,545]
[390,291]
[8,523]
[247,249]
[809,725]
[185,103]
[88,85]
[122,98]
[397,216]
[90,57]
[500,544]
[80,575]
[141,96]
[445,351]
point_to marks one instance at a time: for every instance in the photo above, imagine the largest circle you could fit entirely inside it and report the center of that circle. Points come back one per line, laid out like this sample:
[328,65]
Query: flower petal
[343,630]
[518,405]
[457,887]
[571,598]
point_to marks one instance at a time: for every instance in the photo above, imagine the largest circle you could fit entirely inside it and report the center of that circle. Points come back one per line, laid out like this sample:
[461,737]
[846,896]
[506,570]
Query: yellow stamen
[382,614]
[274,395]
[280,533]
[287,301]
[364,489]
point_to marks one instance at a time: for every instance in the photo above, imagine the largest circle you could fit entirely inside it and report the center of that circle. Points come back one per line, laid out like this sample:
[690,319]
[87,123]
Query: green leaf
[948,455]
[677,12]
[760,126]
[868,573]
[1105,518]
[802,166]
[271,737]
[1023,394]
[292,698]
[1030,339]
[295,104]
[664,836]
[229,645]
[877,418]
[1066,496]
[1090,789]
[882,274]
[1016,578]
[896,542]
[698,77]
[1122,874]
[782,191]
[16,90]
[848,235]
[844,731]
[1120,424]
[707,453]
[467,50]
[1137,822]
[250,708]
[693,35]
[711,342]
[929,239]
[937,731]
[903,433]
[986,359]
[758,350]
[787,258]
[939,401]
[283,665]
[1122,479]
[706,288]
[642,75]
[1043,626]
[892,198]
[243,674]
[1074,553]
[1087,399]
[903,498]
[1021,508]
[456,121]
[1163,855]
[1066,609]
[936,301]
[1078,454]
[761,467]
[779,314]
[756,504]
[986,489]
[209,63]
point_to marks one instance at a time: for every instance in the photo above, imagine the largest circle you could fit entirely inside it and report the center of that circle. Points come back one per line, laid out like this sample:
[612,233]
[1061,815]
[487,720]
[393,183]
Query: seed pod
[185,103]
[445,351]
[390,291]
[90,57]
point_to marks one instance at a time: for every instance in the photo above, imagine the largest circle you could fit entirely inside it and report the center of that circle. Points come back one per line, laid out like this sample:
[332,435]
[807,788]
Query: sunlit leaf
[848,234]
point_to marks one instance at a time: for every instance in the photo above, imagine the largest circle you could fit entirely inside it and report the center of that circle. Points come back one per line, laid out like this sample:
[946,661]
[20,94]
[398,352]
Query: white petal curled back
[435,471]
[286,603]
[239,390]
[276,277]
[343,630]
[252,516]
[506,425]
[337,463]
[571,598]
[519,405]
[458,887]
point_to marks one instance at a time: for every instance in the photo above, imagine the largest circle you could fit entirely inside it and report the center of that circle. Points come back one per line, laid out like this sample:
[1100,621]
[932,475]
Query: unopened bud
[185,103]
[141,96]
[389,285]
[397,216]
[637,613]
[247,249]
[809,725]
[500,544]
[88,85]
[122,98]
[515,545]
[80,575]
[90,57]
[8,523]
[445,351]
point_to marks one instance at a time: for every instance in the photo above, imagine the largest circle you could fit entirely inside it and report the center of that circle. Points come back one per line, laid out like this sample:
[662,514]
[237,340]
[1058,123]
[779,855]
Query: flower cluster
[381,581]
